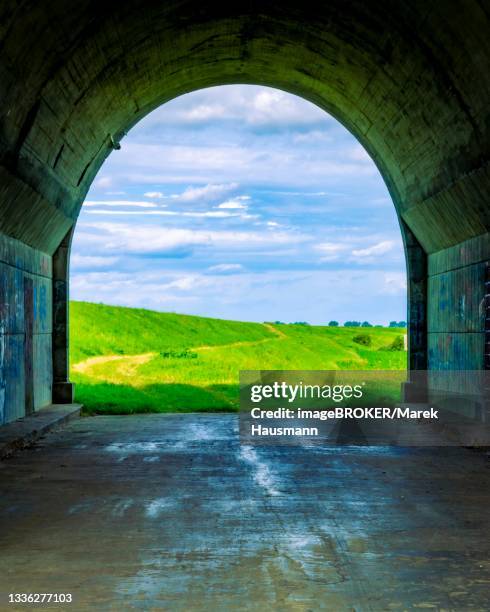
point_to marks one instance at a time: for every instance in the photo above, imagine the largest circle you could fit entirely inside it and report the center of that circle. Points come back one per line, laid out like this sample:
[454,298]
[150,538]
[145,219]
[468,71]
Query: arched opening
[407,99]
[239,203]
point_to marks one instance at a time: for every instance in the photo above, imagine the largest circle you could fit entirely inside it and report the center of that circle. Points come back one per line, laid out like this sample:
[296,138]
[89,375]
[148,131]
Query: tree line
[366,324]
[350,324]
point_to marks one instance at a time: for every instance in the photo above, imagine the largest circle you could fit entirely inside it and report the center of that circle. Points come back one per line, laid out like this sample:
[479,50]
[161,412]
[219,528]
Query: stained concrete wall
[21,267]
[456,305]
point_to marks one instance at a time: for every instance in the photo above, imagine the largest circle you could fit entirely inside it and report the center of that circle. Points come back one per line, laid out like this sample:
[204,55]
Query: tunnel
[172,511]
[405,78]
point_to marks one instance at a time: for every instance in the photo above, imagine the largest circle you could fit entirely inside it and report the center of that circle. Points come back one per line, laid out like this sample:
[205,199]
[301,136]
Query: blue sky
[241,202]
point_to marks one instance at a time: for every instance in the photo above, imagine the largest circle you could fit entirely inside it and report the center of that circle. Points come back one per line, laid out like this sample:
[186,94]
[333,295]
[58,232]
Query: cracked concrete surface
[170,512]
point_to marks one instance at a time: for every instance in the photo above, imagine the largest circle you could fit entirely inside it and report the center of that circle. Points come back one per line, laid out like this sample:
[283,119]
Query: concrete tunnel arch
[406,80]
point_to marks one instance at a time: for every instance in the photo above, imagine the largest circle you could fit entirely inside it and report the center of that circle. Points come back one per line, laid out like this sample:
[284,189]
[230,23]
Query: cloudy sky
[241,202]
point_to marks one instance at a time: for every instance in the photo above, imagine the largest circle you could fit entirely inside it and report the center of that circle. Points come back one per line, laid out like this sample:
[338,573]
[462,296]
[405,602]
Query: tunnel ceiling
[410,80]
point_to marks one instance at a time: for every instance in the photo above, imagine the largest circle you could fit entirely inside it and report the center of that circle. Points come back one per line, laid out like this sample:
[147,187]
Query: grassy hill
[128,360]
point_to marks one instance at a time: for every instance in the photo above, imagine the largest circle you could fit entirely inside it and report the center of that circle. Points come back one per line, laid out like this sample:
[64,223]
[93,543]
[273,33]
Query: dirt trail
[279,335]
[130,363]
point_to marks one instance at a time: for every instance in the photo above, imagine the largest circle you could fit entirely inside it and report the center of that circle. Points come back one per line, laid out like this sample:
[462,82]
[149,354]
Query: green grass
[146,361]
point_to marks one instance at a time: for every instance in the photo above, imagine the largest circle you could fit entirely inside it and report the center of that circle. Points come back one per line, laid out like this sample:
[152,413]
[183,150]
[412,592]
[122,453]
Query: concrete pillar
[414,390]
[487,317]
[63,389]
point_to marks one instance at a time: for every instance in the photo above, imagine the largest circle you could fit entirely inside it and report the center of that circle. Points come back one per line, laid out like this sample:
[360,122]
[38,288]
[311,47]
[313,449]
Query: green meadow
[129,360]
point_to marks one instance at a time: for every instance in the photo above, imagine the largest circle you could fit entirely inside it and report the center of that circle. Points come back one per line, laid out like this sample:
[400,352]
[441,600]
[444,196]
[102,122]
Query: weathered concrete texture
[409,79]
[456,309]
[416,259]
[169,512]
[24,432]
[63,389]
[23,333]
[487,317]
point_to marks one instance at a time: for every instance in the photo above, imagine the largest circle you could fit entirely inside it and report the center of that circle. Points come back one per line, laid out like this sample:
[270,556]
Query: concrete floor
[169,512]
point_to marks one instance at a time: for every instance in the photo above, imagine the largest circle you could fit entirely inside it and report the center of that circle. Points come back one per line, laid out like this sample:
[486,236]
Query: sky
[241,202]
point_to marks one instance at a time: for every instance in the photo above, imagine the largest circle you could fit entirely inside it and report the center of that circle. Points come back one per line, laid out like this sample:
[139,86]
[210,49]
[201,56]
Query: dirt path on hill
[279,335]
[131,362]
[278,332]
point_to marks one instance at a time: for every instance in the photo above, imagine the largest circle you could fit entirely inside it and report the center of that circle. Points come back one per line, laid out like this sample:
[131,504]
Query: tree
[352,324]
[366,324]
[333,323]
[364,339]
[398,344]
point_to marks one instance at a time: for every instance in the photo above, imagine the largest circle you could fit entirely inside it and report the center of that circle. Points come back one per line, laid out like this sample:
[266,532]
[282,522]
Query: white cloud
[212,213]
[216,214]
[205,193]
[87,261]
[103,182]
[154,195]
[198,163]
[187,283]
[133,238]
[304,194]
[395,283]
[354,253]
[121,203]
[205,112]
[377,249]
[331,251]
[272,107]
[234,203]
[124,213]
[312,137]
[225,268]
[249,104]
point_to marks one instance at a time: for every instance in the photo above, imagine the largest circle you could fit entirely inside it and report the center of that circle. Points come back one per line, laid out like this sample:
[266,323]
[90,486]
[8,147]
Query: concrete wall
[23,269]
[456,305]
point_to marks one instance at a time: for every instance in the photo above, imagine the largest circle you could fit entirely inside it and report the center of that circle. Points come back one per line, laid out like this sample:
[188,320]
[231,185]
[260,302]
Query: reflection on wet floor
[170,511]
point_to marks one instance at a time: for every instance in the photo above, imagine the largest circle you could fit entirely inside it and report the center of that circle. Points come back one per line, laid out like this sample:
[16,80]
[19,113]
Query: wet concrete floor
[170,512]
